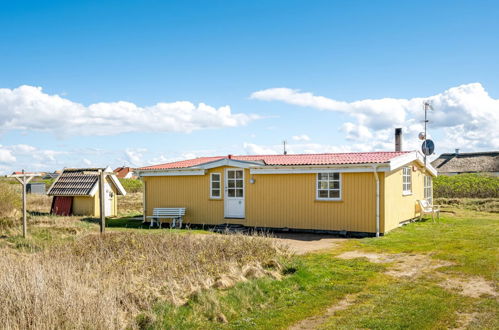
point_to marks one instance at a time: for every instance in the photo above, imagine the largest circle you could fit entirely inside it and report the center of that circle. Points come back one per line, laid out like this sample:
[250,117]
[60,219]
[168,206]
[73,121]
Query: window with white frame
[428,189]
[215,185]
[329,186]
[406,180]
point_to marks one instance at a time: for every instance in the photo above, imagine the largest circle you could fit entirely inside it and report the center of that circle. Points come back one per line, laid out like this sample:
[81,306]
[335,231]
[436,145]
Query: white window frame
[428,188]
[406,181]
[219,186]
[328,189]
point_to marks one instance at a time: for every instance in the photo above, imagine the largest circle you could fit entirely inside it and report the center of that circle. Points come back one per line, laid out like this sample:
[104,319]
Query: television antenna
[428,147]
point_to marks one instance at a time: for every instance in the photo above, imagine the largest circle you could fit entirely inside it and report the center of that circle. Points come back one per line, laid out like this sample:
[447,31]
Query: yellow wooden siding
[191,192]
[89,205]
[400,208]
[114,203]
[289,200]
[83,205]
[274,200]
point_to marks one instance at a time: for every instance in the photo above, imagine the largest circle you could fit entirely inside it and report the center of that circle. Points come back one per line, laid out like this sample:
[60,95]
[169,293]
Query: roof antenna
[284,147]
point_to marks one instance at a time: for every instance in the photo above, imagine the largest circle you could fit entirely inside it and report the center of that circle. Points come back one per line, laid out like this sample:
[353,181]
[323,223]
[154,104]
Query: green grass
[469,239]
[406,304]
[314,283]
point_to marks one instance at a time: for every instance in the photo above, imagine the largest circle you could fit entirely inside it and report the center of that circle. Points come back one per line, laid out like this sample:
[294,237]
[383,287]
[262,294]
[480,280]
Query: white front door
[108,199]
[234,193]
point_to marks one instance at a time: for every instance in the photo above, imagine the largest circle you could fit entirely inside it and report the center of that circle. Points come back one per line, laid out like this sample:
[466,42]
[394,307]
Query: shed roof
[81,182]
[470,162]
[291,160]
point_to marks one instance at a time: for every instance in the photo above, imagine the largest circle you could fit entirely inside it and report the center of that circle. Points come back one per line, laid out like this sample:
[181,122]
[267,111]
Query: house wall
[400,208]
[114,203]
[90,205]
[274,200]
[83,205]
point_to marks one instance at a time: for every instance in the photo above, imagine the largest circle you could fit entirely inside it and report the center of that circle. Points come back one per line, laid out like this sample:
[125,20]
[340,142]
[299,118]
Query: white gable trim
[176,172]
[228,162]
[118,185]
[322,169]
[403,160]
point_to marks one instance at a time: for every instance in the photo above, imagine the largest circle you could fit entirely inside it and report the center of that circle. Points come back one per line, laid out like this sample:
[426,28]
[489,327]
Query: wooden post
[25,224]
[24,178]
[102,177]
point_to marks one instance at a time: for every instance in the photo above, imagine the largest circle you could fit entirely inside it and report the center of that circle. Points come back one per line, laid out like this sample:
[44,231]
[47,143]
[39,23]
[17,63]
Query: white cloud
[135,156]
[6,156]
[314,148]
[29,108]
[301,137]
[254,149]
[466,115]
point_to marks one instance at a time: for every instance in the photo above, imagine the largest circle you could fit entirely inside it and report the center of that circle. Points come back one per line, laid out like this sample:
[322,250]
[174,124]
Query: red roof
[121,172]
[297,159]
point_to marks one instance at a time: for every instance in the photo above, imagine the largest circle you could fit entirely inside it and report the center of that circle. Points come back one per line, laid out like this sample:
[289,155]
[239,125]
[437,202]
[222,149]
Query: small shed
[37,188]
[76,192]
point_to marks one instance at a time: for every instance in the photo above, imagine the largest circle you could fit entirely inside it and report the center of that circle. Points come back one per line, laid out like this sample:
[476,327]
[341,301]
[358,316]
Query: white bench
[427,208]
[174,213]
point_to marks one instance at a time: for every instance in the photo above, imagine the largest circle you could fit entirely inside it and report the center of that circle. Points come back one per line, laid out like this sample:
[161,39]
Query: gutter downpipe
[375,168]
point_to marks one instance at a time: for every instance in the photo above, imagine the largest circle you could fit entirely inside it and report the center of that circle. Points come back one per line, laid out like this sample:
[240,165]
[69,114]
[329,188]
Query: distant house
[124,173]
[76,192]
[53,175]
[367,192]
[469,162]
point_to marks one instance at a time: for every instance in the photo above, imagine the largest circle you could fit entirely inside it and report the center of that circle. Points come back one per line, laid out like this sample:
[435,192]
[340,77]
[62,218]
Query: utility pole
[24,178]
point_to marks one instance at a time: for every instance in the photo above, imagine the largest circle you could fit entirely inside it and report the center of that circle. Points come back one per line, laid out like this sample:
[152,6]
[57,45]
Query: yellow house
[371,192]
[76,192]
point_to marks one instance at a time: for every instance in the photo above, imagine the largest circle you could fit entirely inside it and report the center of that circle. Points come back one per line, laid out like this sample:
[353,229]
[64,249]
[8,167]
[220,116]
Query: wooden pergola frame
[24,178]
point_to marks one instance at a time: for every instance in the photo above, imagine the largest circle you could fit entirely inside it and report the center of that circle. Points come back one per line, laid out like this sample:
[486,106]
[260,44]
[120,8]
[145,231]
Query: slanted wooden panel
[62,205]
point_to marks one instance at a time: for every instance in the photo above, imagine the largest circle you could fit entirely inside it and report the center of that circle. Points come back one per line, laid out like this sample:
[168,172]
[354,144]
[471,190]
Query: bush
[131,185]
[10,203]
[466,186]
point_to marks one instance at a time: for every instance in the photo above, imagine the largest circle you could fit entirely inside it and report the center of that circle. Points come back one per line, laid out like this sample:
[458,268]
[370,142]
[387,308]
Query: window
[215,185]
[428,189]
[328,186]
[235,183]
[406,181]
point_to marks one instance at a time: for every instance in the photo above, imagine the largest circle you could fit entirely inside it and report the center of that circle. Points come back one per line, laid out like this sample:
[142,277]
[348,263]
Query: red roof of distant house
[297,159]
[121,172]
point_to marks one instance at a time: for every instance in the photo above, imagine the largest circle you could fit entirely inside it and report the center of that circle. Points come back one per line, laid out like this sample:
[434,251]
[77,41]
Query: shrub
[131,185]
[10,203]
[466,185]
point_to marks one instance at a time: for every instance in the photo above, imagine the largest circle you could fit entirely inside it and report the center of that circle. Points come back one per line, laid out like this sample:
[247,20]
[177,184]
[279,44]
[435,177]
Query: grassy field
[422,276]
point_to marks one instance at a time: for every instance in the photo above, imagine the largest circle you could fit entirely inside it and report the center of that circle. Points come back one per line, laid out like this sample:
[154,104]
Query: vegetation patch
[104,282]
[466,186]
[132,185]
[313,282]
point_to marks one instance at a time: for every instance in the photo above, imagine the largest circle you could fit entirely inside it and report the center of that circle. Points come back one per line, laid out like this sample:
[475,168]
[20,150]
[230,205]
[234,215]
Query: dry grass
[104,282]
[130,205]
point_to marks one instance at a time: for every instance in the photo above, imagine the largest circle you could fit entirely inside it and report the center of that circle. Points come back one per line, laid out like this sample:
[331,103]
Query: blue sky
[335,75]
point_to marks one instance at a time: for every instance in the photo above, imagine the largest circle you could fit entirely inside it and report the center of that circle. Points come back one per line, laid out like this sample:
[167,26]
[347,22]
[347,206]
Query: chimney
[229,156]
[457,151]
[398,139]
